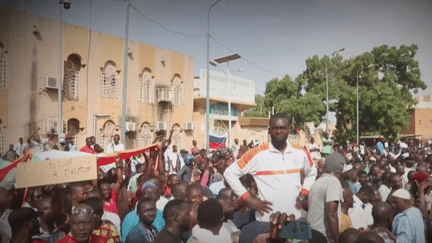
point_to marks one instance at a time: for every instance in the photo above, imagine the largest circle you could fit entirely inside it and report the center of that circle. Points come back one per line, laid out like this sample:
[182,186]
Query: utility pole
[125,75]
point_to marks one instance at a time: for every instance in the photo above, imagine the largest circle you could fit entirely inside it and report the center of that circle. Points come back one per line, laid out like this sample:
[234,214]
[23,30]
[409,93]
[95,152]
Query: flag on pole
[217,139]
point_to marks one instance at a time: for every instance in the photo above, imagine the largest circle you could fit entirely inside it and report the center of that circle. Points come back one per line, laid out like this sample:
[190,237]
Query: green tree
[385,99]
[260,110]
[288,97]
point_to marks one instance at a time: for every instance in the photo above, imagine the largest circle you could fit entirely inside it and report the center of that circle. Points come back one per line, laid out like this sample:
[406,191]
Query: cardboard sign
[57,171]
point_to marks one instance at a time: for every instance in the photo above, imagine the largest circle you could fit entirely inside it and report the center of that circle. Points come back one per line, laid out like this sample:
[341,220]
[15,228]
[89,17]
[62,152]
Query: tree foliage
[385,91]
[260,110]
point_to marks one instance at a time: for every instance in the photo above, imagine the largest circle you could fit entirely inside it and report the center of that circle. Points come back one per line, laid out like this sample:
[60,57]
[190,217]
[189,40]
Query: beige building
[240,92]
[159,84]
[421,119]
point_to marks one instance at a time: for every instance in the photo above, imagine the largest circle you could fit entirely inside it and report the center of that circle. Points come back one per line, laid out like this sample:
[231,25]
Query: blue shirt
[140,234]
[408,226]
[380,148]
[132,219]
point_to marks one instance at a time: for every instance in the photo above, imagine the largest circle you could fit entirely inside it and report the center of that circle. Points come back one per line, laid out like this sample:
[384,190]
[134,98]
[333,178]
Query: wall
[30,60]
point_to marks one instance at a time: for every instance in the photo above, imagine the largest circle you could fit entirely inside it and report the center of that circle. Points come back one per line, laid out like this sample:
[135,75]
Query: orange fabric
[244,160]
[245,196]
[309,157]
[304,191]
[276,172]
[4,171]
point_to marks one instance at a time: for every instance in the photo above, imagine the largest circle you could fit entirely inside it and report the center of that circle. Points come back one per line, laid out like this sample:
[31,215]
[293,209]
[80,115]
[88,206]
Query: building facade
[159,84]
[421,119]
[238,91]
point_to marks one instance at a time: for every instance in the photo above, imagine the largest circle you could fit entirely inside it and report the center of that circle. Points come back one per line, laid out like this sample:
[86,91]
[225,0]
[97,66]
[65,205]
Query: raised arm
[32,135]
[119,181]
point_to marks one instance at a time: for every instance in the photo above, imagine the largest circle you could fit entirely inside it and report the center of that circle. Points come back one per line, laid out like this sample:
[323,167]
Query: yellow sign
[57,171]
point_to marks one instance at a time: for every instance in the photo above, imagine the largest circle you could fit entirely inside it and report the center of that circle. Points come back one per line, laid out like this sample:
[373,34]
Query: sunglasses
[78,211]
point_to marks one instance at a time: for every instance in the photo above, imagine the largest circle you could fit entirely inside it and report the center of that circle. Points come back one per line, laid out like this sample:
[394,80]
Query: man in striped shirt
[283,173]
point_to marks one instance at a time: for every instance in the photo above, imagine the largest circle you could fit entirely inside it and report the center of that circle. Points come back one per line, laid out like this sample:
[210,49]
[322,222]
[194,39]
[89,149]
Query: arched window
[145,135]
[2,67]
[71,76]
[177,90]
[146,85]
[105,134]
[73,125]
[110,84]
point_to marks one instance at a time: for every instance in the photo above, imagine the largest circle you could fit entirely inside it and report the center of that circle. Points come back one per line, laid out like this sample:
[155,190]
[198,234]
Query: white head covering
[402,193]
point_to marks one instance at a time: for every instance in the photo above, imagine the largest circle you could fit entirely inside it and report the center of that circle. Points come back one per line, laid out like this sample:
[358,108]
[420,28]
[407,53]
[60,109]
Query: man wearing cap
[149,190]
[325,197]
[70,143]
[408,224]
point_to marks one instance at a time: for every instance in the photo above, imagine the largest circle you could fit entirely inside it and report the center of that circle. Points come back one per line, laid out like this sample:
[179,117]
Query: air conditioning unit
[160,125]
[164,95]
[130,126]
[51,83]
[189,126]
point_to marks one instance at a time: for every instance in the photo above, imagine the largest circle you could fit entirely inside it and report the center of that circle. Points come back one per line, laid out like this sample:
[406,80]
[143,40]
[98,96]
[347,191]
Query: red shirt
[87,149]
[93,239]
[167,190]
[111,204]
[199,160]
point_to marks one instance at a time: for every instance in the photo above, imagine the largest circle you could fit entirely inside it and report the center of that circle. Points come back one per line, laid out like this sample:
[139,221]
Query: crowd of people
[248,192]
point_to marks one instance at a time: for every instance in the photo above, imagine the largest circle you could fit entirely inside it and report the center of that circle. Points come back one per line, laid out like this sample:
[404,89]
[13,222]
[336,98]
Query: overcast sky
[275,35]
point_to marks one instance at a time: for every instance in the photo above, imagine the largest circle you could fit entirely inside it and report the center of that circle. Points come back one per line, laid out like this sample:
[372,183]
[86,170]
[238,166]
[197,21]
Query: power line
[165,28]
[246,60]
[201,36]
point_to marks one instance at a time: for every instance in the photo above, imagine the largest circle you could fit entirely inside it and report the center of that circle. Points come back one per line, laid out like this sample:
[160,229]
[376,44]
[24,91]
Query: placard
[57,171]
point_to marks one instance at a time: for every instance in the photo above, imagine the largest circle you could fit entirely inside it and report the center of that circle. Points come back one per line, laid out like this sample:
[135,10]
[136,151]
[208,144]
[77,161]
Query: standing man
[314,150]
[20,146]
[325,197]
[115,146]
[87,148]
[276,167]
[327,145]
[243,149]
[235,148]
[82,220]
[177,216]
[408,224]
[380,146]
[144,231]
[70,142]
[195,150]
[173,160]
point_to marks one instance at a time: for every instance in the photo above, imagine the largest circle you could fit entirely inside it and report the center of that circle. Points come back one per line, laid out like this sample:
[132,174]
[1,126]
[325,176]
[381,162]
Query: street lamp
[208,80]
[357,116]
[227,73]
[327,88]
[66,4]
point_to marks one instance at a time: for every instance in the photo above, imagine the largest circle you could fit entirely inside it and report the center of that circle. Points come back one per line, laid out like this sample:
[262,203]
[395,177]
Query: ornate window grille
[178,91]
[71,81]
[110,84]
[3,147]
[146,88]
[2,68]
[145,135]
[176,137]
[106,132]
